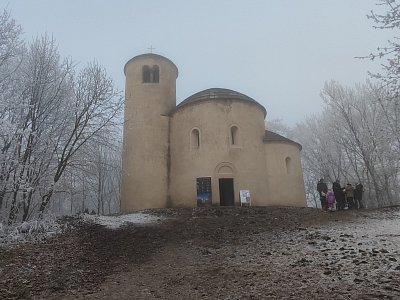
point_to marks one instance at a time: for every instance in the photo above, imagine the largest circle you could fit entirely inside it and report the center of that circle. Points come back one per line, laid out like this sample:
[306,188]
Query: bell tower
[150,96]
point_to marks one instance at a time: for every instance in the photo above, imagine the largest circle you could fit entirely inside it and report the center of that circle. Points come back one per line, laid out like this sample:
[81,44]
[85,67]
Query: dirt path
[250,253]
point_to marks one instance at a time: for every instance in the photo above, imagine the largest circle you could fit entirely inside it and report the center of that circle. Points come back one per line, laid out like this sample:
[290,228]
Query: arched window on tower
[151,75]
[288,164]
[195,139]
[146,74]
[155,74]
[234,135]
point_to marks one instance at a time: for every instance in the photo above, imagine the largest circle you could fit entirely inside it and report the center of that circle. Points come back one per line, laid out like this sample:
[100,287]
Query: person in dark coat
[322,189]
[358,195]
[339,194]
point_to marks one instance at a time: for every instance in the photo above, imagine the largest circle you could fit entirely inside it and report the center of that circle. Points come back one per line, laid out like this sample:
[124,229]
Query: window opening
[146,74]
[155,74]
[195,138]
[288,165]
[234,135]
[151,75]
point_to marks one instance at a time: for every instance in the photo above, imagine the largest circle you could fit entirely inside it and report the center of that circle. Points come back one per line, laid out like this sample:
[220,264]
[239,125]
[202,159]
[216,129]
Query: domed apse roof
[216,94]
[271,136]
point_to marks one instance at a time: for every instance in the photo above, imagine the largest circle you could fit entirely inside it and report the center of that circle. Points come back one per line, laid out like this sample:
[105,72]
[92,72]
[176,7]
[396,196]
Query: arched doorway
[225,174]
[226,192]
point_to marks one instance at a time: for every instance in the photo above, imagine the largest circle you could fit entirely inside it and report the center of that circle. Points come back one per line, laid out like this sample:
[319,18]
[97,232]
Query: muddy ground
[216,253]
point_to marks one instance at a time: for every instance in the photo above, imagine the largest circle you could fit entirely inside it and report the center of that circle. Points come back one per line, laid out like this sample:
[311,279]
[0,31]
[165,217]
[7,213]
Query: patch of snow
[115,222]
[376,231]
[34,230]
[383,223]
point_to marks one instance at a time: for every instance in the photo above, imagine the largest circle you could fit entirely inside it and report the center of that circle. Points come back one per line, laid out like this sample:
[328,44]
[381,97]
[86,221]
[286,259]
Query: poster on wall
[245,199]
[204,195]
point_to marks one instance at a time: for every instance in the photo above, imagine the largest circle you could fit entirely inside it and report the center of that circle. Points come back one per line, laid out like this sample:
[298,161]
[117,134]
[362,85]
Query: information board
[245,199]
[204,194]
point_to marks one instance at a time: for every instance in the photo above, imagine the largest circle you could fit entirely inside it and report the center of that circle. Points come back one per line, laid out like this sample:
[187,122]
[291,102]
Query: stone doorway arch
[225,173]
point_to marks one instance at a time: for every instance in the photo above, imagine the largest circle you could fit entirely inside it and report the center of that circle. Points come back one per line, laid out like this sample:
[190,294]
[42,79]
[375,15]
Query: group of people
[338,197]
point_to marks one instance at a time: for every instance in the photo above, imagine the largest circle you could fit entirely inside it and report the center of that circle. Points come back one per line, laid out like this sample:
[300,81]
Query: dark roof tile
[270,136]
[218,94]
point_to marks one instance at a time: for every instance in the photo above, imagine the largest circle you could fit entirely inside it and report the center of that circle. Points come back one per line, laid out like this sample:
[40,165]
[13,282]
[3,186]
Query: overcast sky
[278,52]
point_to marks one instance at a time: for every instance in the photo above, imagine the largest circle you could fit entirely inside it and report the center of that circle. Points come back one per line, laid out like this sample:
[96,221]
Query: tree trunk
[27,205]
[45,201]
[13,209]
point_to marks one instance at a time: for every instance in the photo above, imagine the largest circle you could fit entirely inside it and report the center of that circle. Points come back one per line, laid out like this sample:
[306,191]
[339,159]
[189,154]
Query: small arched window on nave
[195,139]
[234,135]
[151,74]
[288,165]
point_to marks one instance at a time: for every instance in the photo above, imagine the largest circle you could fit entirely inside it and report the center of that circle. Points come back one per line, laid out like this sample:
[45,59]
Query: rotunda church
[211,149]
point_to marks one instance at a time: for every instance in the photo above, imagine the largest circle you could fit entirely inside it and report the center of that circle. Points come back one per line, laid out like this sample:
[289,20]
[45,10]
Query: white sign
[245,197]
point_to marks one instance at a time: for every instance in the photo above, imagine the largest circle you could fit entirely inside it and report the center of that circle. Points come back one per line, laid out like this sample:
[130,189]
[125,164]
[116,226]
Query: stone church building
[210,149]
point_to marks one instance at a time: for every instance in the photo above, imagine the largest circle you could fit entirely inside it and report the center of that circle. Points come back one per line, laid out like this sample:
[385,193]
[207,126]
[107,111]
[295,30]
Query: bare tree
[11,48]
[351,140]
[48,114]
[389,18]
[95,105]
[44,87]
